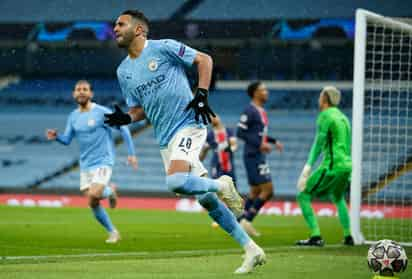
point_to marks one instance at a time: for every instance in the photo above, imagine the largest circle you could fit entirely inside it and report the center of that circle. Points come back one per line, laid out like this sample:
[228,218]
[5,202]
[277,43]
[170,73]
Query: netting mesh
[387,133]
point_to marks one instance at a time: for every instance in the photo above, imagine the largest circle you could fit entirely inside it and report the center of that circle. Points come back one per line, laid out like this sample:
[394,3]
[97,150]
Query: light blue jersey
[94,137]
[157,82]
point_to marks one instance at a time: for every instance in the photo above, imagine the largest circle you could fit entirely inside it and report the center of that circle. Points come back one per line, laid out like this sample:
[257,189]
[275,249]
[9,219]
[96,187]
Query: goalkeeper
[332,177]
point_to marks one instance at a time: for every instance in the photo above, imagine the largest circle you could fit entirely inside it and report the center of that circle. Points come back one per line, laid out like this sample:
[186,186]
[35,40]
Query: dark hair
[139,16]
[252,88]
[84,81]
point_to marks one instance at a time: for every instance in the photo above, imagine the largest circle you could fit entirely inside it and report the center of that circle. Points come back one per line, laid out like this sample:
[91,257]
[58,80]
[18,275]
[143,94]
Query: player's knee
[176,182]
[209,201]
[93,202]
[302,196]
[94,193]
[337,199]
[267,195]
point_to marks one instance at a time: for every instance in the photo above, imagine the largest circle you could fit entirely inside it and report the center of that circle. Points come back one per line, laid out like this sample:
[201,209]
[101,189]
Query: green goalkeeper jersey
[333,140]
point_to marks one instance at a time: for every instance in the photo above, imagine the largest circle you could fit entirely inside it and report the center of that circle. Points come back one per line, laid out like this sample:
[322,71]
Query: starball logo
[150,86]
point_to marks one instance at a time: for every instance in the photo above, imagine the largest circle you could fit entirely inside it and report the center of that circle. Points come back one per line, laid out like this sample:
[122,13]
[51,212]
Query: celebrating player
[331,179]
[223,143]
[153,81]
[253,129]
[86,124]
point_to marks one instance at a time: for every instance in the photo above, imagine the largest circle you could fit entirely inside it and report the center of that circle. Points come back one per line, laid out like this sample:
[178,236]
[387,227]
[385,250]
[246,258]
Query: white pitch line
[146,253]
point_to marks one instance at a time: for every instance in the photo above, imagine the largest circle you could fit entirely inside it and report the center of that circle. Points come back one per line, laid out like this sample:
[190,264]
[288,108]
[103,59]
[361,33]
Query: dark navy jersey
[253,129]
[222,160]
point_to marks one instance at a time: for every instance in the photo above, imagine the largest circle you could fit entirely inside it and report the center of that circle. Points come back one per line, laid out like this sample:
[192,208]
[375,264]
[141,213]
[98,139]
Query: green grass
[163,245]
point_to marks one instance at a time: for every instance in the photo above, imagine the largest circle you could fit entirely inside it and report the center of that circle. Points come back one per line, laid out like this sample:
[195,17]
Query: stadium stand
[266,9]
[49,11]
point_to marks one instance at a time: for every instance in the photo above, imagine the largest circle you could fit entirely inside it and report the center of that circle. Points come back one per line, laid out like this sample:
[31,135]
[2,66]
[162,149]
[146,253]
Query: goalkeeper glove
[117,118]
[303,178]
[201,107]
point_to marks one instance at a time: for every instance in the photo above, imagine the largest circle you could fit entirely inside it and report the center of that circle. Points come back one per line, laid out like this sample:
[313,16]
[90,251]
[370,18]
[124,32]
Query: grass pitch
[68,243]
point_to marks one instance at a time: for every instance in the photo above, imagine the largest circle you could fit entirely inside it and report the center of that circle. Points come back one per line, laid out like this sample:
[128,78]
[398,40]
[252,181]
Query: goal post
[382,130]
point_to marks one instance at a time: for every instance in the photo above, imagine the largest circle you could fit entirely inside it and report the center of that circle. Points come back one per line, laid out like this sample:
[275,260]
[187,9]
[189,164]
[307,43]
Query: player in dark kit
[223,142]
[253,129]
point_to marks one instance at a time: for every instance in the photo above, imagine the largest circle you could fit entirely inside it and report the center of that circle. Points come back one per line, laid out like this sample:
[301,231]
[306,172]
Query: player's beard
[83,101]
[127,39]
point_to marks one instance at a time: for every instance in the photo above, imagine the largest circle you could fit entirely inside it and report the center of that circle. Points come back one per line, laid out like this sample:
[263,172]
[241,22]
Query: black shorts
[257,170]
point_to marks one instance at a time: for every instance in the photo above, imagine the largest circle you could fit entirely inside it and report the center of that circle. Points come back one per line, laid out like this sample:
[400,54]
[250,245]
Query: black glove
[201,107]
[117,118]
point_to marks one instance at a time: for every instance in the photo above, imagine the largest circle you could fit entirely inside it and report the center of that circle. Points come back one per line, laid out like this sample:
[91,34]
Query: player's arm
[127,137]
[66,137]
[320,140]
[204,65]
[243,131]
[186,56]
[135,113]
[276,142]
[233,144]
[120,118]
[204,151]
[200,103]
[232,140]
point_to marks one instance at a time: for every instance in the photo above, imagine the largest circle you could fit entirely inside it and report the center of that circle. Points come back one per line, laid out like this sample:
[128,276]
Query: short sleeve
[230,133]
[130,99]
[245,119]
[179,52]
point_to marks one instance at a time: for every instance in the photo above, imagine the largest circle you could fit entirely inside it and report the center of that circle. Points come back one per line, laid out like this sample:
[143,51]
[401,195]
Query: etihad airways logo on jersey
[150,86]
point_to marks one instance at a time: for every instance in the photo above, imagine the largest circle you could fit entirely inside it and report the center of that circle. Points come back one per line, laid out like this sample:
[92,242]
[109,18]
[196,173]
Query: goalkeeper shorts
[324,183]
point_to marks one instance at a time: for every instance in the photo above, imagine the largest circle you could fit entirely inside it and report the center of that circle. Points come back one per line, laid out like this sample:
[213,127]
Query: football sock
[224,217]
[189,184]
[343,215]
[253,210]
[248,204]
[101,215]
[305,203]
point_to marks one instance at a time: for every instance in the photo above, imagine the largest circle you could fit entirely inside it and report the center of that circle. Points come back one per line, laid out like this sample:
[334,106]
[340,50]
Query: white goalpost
[381,188]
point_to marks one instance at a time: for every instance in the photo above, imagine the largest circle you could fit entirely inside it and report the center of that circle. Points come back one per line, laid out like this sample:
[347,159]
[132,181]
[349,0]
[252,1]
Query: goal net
[381,189]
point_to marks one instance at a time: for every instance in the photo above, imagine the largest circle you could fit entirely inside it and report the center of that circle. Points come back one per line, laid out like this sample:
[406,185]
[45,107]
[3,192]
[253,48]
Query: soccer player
[97,153]
[223,142]
[332,177]
[153,82]
[253,130]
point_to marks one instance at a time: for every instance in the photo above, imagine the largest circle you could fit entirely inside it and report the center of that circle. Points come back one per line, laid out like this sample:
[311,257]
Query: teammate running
[331,179]
[97,153]
[154,84]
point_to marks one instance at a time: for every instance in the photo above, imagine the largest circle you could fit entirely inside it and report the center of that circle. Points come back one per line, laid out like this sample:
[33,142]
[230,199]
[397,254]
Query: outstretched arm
[65,138]
[127,137]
